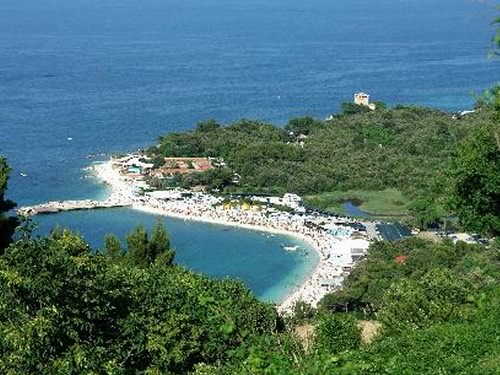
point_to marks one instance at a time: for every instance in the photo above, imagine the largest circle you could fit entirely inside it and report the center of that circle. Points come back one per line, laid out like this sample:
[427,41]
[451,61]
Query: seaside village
[339,241]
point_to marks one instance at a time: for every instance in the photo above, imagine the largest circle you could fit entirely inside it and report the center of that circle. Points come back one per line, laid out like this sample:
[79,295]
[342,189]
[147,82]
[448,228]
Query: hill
[358,155]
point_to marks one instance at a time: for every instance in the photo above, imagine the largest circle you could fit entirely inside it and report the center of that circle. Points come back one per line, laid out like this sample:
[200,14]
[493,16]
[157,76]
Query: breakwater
[70,205]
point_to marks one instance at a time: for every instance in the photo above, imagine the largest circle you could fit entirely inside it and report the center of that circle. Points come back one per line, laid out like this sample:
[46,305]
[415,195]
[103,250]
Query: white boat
[23,174]
[291,248]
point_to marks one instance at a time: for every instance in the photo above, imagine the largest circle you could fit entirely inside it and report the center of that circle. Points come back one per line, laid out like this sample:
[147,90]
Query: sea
[84,79]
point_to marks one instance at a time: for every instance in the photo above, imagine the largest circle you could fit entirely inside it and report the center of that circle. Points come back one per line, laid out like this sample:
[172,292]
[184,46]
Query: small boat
[290,248]
[23,174]
[70,138]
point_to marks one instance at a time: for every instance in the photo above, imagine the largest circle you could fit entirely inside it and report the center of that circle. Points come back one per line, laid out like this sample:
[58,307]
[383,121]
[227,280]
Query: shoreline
[324,245]
[311,246]
[292,296]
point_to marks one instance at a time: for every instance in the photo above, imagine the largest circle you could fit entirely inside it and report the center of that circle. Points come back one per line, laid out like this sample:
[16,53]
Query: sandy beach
[334,251]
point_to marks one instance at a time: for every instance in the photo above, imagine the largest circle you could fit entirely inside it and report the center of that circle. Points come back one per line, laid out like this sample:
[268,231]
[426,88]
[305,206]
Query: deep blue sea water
[113,75]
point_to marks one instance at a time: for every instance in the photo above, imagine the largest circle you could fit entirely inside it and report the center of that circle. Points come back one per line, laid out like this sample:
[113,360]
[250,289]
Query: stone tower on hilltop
[361,98]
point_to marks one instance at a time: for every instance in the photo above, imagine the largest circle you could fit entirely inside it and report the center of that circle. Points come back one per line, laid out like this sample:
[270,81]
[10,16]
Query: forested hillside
[436,303]
[68,309]
[388,148]
[65,309]
[390,161]
[128,309]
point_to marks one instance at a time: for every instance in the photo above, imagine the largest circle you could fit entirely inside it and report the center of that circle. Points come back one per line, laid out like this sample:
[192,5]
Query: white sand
[333,251]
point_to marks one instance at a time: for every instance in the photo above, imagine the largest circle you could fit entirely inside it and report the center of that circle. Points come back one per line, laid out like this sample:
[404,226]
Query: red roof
[401,259]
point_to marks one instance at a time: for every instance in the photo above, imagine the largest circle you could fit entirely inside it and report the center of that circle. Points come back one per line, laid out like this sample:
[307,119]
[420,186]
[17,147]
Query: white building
[289,200]
[361,98]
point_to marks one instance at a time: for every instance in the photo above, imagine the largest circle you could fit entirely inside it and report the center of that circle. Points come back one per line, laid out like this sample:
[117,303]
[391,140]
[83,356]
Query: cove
[256,258]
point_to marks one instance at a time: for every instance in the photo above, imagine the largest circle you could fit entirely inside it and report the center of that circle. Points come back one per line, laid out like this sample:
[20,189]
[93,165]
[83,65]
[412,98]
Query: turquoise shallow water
[256,258]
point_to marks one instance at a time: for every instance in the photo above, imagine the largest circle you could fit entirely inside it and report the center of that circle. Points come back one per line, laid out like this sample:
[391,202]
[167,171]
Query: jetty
[70,205]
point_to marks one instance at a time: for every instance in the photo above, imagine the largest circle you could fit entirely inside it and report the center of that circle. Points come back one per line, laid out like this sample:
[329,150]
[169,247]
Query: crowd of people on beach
[334,251]
[333,255]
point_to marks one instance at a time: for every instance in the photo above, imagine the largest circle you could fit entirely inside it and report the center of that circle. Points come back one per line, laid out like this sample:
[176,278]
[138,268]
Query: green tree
[208,126]
[64,309]
[159,246]
[336,333]
[112,248]
[219,178]
[424,212]
[7,224]
[69,242]
[137,247]
[474,176]
[379,105]
[438,296]
[302,312]
[302,125]
[349,108]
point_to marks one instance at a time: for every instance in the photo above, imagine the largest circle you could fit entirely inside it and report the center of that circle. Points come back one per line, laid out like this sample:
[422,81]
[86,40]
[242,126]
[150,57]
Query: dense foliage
[7,223]
[438,305]
[416,161]
[65,309]
[400,148]
[474,175]
[396,157]
[336,334]
[409,267]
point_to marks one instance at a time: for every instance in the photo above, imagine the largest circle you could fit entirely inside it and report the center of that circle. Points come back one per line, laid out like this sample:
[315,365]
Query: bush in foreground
[65,309]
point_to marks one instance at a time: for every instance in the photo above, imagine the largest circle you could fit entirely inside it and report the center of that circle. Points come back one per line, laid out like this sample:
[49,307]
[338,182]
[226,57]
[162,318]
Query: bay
[88,77]
[256,258]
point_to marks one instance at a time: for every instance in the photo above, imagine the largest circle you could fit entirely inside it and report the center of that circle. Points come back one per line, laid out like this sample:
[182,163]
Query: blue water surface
[83,77]
[113,75]
[256,258]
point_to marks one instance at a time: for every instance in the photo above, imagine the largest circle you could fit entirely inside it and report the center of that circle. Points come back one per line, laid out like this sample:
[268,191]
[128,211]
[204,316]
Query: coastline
[311,289]
[311,245]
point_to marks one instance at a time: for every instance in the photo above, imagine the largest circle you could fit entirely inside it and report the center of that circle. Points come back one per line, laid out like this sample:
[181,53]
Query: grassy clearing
[389,202]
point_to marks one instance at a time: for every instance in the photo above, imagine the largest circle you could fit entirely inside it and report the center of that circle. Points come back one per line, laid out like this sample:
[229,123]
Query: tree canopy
[399,148]
[66,309]
[437,306]
[474,175]
[8,224]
